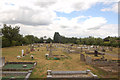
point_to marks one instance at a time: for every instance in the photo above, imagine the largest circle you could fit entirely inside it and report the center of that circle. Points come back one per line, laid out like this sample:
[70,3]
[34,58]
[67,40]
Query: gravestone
[37,49]
[46,55]
[2,61]
[22,53]
[88,48]
[24,66]
[27,51]
[32,48]
[50,53]
[88,60]
[32,57]
[47,47]
[82,57]
[68,51]
[81,49]
[38,45]
[110,48]
[102,57]
[103,50]
[96,53]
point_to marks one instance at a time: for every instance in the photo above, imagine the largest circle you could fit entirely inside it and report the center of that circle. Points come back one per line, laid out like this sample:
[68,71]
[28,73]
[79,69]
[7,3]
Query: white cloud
[114,8]
[24,12]
[40,12]
[73,27]
[94,23]
[27,16]
[39,17]
[66,6]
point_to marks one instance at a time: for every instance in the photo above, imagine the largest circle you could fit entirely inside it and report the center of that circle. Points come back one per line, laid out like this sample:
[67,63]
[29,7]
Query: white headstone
[22,52]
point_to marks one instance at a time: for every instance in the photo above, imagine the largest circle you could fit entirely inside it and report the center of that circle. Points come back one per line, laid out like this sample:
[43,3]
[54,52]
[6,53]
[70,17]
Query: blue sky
[94,11]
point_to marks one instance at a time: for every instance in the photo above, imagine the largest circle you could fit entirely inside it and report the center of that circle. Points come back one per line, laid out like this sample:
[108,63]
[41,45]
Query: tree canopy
[12,37]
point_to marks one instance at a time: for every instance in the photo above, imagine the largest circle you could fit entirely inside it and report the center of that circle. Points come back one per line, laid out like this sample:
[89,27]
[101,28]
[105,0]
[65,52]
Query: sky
[71,18]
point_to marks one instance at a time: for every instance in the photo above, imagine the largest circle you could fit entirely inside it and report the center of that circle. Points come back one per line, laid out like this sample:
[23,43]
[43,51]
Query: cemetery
[51,61]
[63,39]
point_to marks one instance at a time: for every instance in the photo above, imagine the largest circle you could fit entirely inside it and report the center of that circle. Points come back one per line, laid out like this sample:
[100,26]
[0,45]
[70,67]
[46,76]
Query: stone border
[14,71]
[50,73]
[19,62]
[27,74]
[34,64]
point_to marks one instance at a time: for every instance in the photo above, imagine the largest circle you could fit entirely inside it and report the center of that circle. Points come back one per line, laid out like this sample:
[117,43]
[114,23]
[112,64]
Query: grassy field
[73,63]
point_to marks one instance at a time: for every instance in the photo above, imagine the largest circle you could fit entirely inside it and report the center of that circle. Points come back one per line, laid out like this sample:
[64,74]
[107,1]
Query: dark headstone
[82,57]
[38,50]
[103,50]
[96,53]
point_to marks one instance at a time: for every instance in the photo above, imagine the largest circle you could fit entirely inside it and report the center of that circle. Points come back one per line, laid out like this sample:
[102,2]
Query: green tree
[49,40]
[5,42]
[57,37]
[10,33]
[41,40]
[29,39]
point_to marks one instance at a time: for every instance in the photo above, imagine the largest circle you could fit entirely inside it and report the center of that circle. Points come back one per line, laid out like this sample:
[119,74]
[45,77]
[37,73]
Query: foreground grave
[15,70]
[70,74]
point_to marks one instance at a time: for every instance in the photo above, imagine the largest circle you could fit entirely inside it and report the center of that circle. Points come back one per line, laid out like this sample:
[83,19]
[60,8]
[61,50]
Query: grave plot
[70,74]
[95,52]
[104,49]
[110,67]
[52,56]
[32,48]
[95,55]
[106,53]
[13,75]
[18,66]
[72,49]
[48,48]
[17,70]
